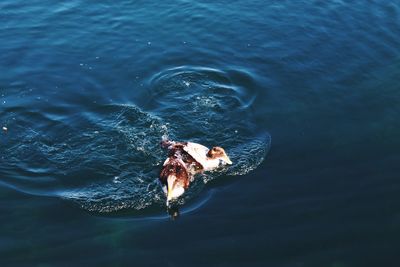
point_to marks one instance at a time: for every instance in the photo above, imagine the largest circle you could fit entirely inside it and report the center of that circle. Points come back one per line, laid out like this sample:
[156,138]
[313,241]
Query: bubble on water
[213,112]
[108,158]
[116,180]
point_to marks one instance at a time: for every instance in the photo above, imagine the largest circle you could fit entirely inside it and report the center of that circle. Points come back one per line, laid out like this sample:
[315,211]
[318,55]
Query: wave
[107,158]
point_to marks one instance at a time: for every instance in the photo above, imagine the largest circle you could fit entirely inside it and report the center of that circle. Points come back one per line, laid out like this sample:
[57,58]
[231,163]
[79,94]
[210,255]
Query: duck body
[185,160]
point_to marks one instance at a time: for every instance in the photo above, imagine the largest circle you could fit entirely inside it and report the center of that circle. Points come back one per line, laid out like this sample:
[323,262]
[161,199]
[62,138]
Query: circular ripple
[108,157]
[211,107]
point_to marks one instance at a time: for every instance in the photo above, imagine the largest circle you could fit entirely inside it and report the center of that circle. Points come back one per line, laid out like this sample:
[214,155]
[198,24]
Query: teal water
[302,94]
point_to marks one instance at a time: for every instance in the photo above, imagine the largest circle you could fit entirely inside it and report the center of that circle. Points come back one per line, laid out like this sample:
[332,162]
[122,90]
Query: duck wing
[197,151]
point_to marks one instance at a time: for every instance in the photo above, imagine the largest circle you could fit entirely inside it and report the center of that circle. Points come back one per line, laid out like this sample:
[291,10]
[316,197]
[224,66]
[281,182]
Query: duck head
[219,153]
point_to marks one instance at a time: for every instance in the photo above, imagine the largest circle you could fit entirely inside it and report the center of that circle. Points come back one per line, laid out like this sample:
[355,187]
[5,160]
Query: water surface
[302,94]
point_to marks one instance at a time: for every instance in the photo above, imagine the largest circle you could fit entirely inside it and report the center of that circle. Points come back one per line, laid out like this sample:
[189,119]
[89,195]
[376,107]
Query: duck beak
[227,159]
[169,194]
[174,190]
[170,182]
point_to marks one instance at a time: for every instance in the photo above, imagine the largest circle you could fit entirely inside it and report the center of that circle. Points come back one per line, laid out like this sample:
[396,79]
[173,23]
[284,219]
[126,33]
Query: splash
[211,107]
[107,158]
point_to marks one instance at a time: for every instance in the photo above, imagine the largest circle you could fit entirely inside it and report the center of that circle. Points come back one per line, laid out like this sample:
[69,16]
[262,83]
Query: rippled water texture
[107,157]
[303,95]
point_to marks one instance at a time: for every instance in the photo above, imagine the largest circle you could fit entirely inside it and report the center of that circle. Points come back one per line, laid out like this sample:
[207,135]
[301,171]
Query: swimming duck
[185,159]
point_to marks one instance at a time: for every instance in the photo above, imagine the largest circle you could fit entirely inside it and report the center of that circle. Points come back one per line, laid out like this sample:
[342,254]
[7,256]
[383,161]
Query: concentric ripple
[211,107]
[108,157]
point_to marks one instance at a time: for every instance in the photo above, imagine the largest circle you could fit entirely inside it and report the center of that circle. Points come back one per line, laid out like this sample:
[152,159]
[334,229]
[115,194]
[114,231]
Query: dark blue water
[303,95]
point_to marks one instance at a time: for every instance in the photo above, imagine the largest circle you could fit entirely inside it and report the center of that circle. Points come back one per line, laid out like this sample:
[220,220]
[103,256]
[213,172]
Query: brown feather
[174,166]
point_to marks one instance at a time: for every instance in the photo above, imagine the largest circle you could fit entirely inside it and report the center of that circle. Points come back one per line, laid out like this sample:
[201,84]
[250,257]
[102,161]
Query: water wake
[108,158]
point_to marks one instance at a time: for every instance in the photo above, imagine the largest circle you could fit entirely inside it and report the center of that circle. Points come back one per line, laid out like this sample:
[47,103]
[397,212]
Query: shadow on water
[107,158]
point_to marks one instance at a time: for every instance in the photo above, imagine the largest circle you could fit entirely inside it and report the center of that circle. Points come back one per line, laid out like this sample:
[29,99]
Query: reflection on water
[173,212]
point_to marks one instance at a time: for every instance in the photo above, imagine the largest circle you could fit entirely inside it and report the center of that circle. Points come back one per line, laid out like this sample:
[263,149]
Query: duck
[184,161]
